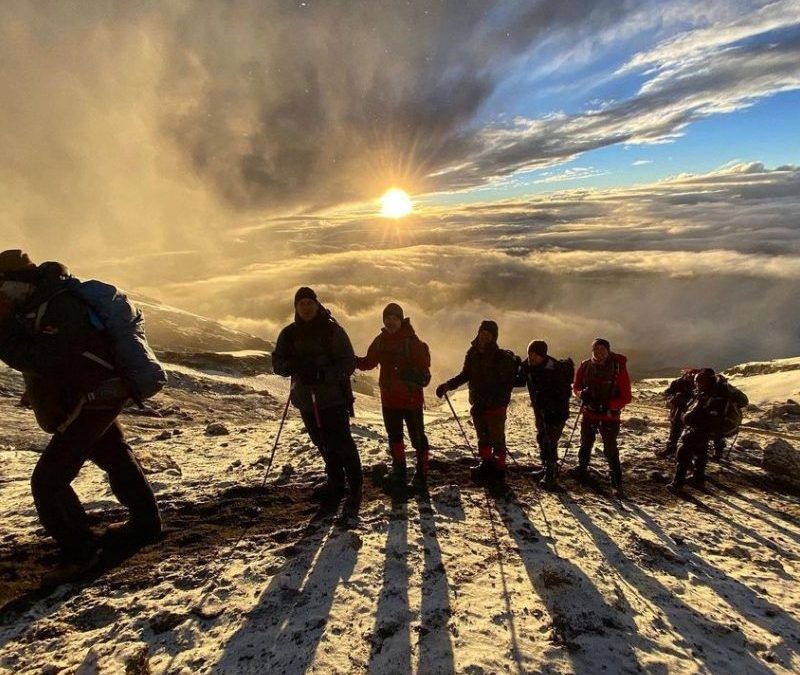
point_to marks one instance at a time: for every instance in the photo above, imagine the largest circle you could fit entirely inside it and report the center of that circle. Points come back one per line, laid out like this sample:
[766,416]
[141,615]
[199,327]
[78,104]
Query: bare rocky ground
[461,580]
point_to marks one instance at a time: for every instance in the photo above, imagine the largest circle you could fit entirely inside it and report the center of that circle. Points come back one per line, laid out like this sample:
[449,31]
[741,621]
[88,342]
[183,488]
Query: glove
[441,390]
[586,396]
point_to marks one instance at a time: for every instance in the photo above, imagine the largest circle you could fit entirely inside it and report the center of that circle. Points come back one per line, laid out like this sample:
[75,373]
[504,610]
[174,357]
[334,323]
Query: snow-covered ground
[459,581]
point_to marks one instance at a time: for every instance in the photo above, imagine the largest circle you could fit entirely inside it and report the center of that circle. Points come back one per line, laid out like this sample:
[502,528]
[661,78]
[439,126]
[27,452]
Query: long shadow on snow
[685,620]
[391,637]
[282,632]
[754,608]
[576,607]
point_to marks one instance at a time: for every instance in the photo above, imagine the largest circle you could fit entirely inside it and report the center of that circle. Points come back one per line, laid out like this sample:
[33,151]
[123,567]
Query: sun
[395,203]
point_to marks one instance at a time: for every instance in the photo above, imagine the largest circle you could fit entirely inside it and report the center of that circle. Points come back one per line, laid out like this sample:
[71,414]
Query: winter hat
[304,292]
[489,326]
[538,347]
[16,266]
[601,341]
[394,309]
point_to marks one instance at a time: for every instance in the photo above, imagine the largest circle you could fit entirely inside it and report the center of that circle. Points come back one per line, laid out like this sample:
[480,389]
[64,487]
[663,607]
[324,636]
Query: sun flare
[395,203]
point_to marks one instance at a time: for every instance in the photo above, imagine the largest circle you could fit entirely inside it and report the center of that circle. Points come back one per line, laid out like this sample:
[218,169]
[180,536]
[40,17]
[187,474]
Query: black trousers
[95,436]
[609,431]
[693,445]
[336,445]
[393,420]
[548,434]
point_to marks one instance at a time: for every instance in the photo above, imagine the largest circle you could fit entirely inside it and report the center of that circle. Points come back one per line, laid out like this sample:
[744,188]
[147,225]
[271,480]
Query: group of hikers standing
[83,355]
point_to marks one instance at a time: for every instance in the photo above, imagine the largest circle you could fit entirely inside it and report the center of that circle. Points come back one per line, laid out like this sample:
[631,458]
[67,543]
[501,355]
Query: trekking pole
[277,438]
[569,442]
[464,433]
[733,442]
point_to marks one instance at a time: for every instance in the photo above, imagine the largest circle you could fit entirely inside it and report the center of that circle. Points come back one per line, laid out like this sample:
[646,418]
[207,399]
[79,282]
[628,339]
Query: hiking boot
[675,487]
[578,473]
[617,491]
[538,474]
[71,570]
[353,501]
[669,451]
[397,476]
[327,492]
[419,481]
[131,533]
[483,472]
[548,483]
[698,482]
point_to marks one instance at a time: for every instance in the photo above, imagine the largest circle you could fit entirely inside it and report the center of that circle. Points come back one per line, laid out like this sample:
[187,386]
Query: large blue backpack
[134,361]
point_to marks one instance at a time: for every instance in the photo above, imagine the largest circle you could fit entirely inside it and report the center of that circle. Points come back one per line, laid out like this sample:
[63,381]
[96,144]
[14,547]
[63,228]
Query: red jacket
[609,385]
[405,366]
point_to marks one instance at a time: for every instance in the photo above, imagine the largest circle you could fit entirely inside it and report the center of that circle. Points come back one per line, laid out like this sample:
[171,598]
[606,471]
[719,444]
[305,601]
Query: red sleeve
[372,358]
[624,388]
[577,385]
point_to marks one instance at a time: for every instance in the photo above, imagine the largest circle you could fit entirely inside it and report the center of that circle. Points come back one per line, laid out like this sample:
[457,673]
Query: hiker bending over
[405,364]
[490,373]
[549,383]
[604,387]
[713,412]
[48,332]
[316,353]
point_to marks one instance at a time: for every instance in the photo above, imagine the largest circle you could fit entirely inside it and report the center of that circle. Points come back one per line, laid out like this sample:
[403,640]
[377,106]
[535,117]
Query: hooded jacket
[609,385]
[317,354]
[710,412]
[405,366]
[549,389]
[48,338]
[490,375]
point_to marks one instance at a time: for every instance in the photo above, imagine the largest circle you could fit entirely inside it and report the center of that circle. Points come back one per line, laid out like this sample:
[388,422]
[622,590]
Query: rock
[157,462]
[164,436]
[748,444]
[217,429]
[164,621]
[635,424]
[782,462]
[139,662]
[287,470]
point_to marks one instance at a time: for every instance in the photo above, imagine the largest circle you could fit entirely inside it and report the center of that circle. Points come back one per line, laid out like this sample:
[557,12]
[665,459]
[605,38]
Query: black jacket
[48,339]
[550,390]
[490,375]
[317,354]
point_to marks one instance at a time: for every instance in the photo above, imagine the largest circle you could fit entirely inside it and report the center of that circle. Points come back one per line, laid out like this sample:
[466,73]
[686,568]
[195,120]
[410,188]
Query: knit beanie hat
[394,309]
[16,266]
[303,293]
[601,341]
[538,347]
[489,326]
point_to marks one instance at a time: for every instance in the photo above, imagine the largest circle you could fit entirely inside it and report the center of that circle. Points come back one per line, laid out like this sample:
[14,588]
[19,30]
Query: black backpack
[566,368]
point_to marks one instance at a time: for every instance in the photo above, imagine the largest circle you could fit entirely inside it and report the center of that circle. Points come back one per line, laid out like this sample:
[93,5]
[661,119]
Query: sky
[625,169]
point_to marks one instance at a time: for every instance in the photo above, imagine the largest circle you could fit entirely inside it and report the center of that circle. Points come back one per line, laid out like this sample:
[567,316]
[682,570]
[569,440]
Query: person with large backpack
[405,363]
[549,383]
[490,373]
[713,412]
[315,351]
[678,395]
[604,387]
[82,355]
